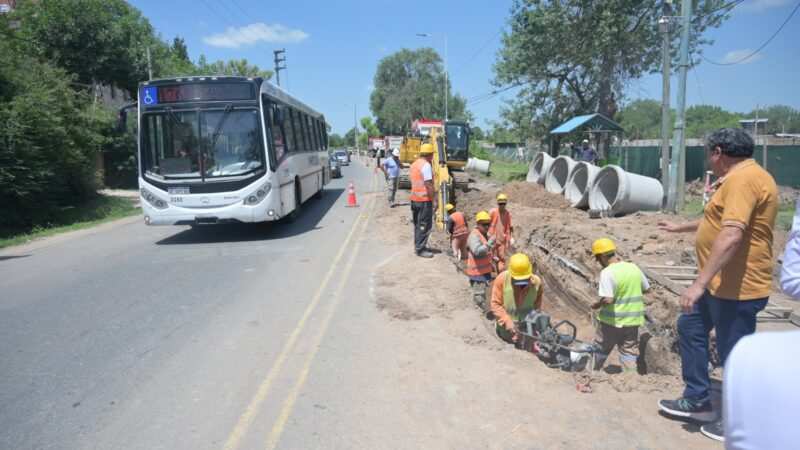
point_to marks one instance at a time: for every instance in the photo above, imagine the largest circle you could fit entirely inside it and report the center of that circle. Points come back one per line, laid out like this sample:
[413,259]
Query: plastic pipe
[558,174]
[537,172]
[478,165]
[620,192]
[579,183]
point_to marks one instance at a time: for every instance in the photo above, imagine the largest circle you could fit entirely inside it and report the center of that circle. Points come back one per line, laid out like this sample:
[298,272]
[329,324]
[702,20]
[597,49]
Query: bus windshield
[201,144]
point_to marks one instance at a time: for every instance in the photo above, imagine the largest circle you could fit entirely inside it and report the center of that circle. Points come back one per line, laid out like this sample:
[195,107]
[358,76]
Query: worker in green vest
[621,306]
[515,293]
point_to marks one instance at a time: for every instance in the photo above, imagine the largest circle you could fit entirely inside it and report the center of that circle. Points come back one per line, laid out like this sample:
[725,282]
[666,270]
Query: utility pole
[664,27]
[678,167]
[280,57]
[149,65]
[445,79]
[355,127]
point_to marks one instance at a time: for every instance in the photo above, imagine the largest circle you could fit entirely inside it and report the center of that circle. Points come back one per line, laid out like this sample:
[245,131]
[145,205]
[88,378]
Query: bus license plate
[178,190]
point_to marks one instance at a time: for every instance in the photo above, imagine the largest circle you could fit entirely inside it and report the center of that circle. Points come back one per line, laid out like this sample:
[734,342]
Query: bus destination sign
[195,92]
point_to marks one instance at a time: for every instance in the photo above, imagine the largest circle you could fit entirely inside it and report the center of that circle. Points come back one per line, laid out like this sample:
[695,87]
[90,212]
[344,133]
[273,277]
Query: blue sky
[333,48]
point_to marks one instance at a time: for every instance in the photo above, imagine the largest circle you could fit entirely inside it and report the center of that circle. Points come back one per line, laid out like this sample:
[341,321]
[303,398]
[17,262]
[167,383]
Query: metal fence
[523,155]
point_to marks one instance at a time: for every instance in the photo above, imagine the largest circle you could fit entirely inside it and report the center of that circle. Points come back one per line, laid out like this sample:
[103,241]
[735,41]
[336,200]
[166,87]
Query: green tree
[409,85]
[49,137]
[703,119]
[782,119]
[477,133]
[100,41]
[577,56]
[641,119]
[349,136]
[179,49]
[370,130]
[336,141]
[236,67]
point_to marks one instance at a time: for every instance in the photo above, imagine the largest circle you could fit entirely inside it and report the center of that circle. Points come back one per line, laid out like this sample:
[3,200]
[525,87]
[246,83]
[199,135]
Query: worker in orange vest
[515,293]
[479,258]
[502,231]
[423,200]
[457,227]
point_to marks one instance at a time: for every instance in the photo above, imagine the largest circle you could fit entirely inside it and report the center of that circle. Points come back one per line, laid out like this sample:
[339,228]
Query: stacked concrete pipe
[618,192]
[537,172]
[557,176]
[580,183]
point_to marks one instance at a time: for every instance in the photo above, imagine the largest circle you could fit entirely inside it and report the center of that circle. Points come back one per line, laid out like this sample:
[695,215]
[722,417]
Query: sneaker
[425,254]
[687,408]
[714,430]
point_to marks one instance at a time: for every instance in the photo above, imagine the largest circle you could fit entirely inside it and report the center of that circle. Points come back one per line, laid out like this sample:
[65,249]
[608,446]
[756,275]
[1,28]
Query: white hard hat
[585,141]
[396,152]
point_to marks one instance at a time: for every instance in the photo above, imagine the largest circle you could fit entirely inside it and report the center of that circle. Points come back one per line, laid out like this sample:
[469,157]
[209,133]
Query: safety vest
[418,191]
[479,266]
[502,219]
[628,307]
[510,304]
[459,224]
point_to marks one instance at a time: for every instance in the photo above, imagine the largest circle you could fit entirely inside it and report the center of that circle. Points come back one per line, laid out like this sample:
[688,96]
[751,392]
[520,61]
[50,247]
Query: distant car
[342,157]
[336,168]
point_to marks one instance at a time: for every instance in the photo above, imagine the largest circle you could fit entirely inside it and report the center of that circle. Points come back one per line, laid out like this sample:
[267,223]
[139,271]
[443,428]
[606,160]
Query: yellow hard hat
[502,198]
[520,267]
[449,207]
[483,216]
[603,246]
[426,149]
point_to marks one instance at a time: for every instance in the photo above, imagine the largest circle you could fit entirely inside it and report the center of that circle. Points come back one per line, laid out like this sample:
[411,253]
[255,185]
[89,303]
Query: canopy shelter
[598,126]
[591,123]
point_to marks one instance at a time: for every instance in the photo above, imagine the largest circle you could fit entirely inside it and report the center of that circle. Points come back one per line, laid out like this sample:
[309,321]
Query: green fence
[783,162]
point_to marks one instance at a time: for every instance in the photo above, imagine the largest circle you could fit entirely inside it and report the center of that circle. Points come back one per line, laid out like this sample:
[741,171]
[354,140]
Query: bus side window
[314,134]
[299,135]
[291,143]
[278,141]
[323,134]
[308,134]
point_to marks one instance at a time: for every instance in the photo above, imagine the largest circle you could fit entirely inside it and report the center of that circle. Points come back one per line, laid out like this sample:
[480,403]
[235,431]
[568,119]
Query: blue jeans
[732,320]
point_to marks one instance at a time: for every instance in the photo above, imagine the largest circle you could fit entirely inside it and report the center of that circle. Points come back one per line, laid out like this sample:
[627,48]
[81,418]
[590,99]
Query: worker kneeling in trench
[515,293]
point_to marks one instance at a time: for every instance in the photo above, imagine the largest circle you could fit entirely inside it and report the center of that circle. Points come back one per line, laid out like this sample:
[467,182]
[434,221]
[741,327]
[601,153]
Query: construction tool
[556,345]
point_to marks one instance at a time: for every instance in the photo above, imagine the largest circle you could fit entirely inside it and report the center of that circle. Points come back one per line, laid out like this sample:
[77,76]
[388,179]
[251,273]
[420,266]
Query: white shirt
[608,284]
[761,401]
[790,269]
[427,172]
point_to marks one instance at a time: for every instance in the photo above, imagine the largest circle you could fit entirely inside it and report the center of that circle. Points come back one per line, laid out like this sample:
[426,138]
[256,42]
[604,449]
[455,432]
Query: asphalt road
[139,337]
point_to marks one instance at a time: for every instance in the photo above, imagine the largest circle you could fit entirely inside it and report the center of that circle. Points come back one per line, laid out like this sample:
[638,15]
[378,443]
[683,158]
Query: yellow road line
[288,404]
[246,419]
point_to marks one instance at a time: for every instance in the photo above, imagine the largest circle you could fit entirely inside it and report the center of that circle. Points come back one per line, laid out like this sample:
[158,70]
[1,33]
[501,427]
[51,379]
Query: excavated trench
[558,238]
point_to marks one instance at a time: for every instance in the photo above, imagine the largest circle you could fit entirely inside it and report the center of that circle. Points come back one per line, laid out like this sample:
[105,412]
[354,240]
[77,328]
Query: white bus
[222,149]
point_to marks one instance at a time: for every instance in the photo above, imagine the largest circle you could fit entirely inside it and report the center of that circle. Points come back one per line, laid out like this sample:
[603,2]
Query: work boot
[688,409]
[425,254]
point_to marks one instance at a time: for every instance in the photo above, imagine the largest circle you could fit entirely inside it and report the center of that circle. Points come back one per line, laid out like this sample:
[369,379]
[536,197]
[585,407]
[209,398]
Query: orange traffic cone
[351,196]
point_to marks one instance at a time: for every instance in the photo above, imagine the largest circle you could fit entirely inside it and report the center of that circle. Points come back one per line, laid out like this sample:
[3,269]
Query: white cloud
[736,55]
[254,33]
[763,5]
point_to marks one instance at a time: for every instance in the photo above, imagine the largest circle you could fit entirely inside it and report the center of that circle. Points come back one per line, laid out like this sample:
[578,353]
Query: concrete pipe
[579,183]
[478,165]
[537,172]
[558,174]
[620,192]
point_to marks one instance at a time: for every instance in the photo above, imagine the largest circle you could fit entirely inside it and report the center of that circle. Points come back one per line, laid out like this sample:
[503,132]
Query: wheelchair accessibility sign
[149,96]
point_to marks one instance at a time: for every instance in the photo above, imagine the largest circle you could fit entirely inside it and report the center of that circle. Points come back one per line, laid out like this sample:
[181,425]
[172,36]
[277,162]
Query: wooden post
[764,152]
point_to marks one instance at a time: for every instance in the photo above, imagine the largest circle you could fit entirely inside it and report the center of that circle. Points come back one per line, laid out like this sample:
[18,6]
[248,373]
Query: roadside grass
[507,171]
[95,211]
[694,208]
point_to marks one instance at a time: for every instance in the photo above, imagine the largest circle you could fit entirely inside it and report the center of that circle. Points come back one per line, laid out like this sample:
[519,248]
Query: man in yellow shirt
[734,258]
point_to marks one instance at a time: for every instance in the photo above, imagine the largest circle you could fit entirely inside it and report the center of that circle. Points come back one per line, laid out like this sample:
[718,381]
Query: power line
[728,6]
[480,49]
[490,95]
[739,61]
[239,7]
[216,13]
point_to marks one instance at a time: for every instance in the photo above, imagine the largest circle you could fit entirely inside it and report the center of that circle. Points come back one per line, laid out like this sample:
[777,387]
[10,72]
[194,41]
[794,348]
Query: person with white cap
[588,154]
[391,170]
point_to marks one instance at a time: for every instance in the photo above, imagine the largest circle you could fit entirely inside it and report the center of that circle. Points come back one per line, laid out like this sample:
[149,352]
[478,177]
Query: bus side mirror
[122,118]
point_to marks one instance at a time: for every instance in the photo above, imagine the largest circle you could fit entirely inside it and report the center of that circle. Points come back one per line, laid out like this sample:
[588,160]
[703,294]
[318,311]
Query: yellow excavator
[443,182]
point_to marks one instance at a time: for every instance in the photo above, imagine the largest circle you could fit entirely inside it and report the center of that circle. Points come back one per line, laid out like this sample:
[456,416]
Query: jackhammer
[556,345]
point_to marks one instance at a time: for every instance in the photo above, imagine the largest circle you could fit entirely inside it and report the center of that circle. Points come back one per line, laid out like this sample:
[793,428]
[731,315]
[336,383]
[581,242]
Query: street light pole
[678,166]
[663,24]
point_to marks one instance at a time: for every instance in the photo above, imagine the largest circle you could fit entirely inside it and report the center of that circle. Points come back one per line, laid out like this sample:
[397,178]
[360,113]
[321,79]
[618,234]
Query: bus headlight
[152,199]
[259,195]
